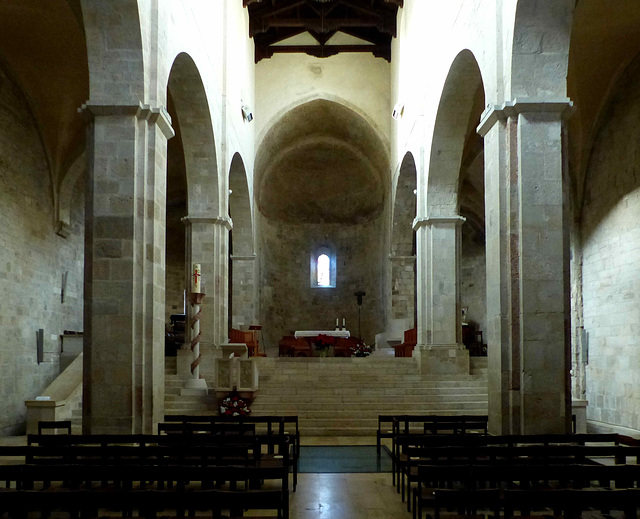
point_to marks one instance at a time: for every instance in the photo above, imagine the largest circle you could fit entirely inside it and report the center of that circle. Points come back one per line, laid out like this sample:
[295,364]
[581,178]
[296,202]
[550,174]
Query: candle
[343,322]
[337,322]
[197,278]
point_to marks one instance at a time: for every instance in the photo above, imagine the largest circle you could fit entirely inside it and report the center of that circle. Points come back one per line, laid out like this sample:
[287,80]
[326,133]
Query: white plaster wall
[358,81]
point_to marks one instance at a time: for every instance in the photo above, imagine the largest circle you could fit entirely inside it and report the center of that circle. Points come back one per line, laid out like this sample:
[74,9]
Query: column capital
[154,114]
[562,106]
[421,221]
[224,221]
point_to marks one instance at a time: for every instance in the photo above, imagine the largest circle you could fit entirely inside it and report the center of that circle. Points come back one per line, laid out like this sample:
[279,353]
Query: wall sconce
[246,114]
[398,111]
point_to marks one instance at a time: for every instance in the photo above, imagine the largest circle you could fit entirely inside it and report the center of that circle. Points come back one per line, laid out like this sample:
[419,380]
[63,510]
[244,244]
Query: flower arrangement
[360,349]
[233,405]
[324,341]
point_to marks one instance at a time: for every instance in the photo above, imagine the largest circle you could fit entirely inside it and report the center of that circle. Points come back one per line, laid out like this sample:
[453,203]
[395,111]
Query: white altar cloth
[315,333]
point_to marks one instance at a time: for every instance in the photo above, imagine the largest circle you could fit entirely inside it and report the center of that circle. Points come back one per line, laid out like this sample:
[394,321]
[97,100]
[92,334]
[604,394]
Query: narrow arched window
[324,271]
[322,267]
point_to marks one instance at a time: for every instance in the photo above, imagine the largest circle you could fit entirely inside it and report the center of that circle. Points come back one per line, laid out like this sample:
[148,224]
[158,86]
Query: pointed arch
[192,110]
[452,126]
[242,265]
[240,209]
[403,243]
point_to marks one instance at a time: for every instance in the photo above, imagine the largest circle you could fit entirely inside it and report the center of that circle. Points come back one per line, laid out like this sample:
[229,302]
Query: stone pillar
[123,384]
[244,290]
[403,281]
[207,241]
[442,351]
[529,389]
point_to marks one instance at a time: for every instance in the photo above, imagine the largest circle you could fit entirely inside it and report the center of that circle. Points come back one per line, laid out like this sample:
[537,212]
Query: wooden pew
[385,429]
[485,486]
[424,424]
[133,467]
[264,425]
[402,441]
[415,455]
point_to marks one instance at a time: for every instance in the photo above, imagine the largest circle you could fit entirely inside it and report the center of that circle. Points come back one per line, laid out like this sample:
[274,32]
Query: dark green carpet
[343,458]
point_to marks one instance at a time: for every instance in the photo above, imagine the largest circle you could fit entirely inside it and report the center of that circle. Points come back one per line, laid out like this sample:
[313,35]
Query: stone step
[343,397]
[337,384]
[413,400]
[358,411]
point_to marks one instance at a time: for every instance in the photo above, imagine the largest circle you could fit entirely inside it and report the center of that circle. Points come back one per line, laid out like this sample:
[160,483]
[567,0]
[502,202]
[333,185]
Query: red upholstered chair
[289,346]
[343,346]
[410,340]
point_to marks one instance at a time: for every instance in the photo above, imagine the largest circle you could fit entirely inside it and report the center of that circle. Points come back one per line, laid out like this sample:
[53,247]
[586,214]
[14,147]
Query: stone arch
[115,56]
[241,248]
[327,125]
[403,243]
[438,228]
[540,52]
[450,132]
[321,96]
[321,176]
[192,110]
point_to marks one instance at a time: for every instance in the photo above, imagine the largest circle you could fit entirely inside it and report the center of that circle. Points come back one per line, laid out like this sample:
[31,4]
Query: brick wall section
[32,261]
[611,270]
[287,300]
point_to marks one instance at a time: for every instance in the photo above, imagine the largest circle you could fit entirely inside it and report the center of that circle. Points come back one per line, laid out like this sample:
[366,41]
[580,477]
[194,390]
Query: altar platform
[314,333]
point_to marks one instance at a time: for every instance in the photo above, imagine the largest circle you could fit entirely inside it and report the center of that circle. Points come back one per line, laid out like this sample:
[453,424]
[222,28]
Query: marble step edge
[372,414]
[353,405]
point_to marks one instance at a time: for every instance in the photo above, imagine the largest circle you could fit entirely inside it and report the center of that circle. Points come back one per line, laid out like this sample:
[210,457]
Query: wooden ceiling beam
[320,26]
[324,51]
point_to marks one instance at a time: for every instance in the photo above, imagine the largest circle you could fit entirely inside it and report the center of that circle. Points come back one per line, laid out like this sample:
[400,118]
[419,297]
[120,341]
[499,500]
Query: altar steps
[344,396]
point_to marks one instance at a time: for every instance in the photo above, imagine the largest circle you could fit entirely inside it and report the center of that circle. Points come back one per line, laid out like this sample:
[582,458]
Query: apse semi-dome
[321,163]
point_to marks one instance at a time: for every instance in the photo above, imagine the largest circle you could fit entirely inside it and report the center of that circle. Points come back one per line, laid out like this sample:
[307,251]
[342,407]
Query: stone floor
[332,496]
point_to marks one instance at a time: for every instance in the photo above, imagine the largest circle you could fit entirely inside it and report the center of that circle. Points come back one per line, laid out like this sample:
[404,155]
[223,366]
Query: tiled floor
[332,496]
[346,496]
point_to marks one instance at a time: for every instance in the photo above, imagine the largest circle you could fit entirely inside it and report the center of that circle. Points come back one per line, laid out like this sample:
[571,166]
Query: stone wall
[33,260]
[243,292]
[174,302]
[287,300]
[611,270]
[473,280]
[403,286]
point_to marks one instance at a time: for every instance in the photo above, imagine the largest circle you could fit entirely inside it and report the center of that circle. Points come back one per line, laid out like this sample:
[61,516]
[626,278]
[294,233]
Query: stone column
[442,351]
[244,289]
[403,283]
[529,389]
[123,385]
[207,241]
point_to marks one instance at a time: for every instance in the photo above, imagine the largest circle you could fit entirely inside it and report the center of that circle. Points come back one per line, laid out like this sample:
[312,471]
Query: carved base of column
[444,359]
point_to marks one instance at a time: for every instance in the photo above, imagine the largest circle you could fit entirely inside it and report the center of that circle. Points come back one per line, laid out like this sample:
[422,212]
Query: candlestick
[197,278]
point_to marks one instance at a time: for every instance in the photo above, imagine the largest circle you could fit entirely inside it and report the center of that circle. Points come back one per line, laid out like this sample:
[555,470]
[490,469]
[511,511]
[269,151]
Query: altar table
[315,333]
